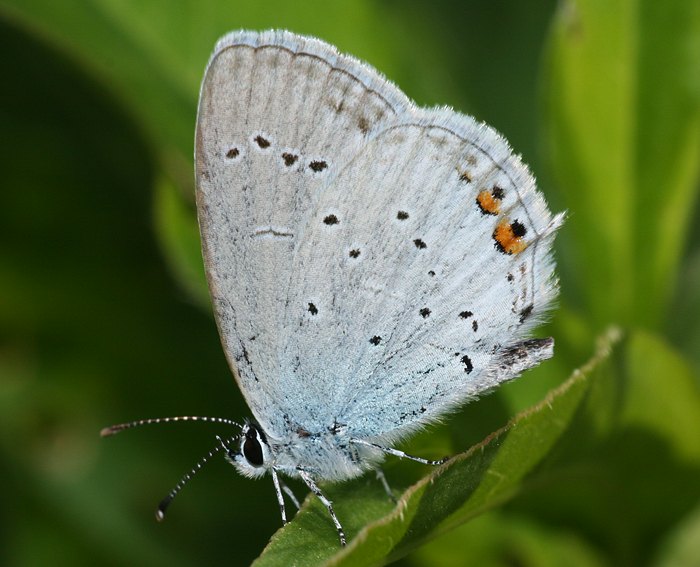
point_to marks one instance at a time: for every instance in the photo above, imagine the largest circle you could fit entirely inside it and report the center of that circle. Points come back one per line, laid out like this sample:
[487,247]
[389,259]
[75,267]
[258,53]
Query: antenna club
[109,431]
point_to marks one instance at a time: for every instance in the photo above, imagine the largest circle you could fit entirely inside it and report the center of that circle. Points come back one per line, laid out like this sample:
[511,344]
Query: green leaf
[685,327]
[499,538]
[623,124]
[662,395]
[632,471]
[682,547]
[470,483]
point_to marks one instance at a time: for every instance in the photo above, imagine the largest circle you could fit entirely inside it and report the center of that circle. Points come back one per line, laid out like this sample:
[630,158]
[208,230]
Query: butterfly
[372,264]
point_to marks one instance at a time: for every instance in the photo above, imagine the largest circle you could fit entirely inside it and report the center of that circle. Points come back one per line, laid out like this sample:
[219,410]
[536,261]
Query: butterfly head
[252,456]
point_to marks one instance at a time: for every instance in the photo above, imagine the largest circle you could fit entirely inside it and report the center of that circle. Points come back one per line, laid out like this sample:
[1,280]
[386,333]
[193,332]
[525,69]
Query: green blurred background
[104,316]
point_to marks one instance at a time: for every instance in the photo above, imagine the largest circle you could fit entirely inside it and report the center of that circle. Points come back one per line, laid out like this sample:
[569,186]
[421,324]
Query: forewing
[279,117]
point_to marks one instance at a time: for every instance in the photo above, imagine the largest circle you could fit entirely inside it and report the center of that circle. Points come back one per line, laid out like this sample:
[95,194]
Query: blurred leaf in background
[104,315]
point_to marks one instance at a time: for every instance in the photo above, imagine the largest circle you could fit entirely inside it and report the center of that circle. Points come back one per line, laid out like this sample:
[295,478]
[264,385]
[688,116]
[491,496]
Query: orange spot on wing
[488,204]
[509,237]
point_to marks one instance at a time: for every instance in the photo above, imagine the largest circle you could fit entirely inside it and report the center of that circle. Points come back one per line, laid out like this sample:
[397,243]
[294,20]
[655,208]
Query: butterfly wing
[371,263]
[436,269]
[279,116]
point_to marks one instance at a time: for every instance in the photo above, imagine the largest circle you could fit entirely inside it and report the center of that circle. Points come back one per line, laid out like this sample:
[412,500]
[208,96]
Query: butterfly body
[330,455]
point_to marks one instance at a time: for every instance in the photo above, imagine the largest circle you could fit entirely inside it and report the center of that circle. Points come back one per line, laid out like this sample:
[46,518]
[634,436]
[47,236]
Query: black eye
[252,450]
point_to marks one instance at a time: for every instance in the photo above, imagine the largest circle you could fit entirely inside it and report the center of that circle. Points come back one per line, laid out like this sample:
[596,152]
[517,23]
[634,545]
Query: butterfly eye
[252,450]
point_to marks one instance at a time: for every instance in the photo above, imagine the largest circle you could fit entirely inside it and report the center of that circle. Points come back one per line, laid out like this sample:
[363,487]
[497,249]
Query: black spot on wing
[289,159]
[518,229]
[526,312]
[263,143]
[318,166]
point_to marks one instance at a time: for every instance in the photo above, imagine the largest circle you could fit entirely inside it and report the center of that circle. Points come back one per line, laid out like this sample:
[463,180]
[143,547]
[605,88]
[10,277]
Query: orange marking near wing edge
[506,239]
[489,204]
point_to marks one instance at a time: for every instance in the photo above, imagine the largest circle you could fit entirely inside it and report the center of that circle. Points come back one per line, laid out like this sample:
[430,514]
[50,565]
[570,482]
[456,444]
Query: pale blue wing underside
[355,277]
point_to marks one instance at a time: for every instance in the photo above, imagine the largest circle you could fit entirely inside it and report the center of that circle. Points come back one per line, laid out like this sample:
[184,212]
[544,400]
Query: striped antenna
[112,430]
[163,506]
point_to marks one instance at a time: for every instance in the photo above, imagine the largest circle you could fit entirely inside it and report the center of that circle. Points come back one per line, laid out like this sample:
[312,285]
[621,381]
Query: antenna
[163,506]
[114,429]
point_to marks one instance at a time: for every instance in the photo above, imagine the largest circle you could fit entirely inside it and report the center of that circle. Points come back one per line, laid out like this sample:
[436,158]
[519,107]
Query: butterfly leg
[381,478]
[290,494]
[280,498]
[397,453]
[306,477]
